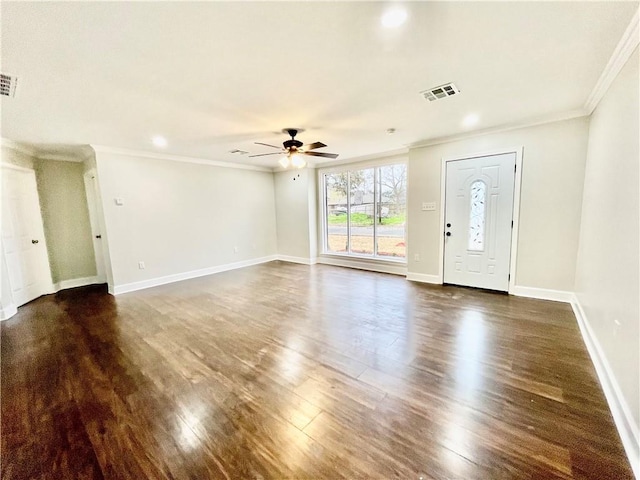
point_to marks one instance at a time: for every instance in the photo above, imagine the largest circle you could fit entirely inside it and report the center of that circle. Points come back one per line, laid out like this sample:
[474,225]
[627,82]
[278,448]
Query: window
[365,212]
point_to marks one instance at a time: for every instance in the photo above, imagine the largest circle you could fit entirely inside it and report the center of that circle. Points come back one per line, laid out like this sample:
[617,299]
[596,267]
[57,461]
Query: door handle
[98,236]
[34,241]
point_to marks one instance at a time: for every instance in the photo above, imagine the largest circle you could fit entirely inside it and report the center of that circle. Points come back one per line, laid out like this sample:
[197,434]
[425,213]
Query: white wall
[607,278]
[180,217]
[295,200]
[551,198]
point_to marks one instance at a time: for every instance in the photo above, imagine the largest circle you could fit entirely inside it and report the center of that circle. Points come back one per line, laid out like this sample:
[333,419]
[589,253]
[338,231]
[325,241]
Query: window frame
[323,214]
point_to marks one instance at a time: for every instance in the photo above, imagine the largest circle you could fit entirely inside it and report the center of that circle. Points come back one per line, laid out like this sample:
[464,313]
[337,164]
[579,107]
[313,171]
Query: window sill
[390,259]
[361,262]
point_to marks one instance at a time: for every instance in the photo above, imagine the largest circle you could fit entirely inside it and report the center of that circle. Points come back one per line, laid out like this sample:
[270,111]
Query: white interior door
[91,189]
[23,241]
[478,221]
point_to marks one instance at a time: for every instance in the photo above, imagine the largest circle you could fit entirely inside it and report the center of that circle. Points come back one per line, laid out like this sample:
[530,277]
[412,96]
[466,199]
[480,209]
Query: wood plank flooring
[288,371]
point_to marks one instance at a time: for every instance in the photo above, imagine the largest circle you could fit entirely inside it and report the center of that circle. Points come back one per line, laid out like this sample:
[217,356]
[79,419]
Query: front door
[478,221]
[23,240]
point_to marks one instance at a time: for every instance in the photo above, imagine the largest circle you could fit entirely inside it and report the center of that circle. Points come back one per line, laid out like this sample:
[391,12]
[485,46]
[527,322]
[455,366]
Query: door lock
[448,234]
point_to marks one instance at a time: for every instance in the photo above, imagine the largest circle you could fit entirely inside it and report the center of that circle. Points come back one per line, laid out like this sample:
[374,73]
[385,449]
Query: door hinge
[515,167]
[509,277]
[511,223]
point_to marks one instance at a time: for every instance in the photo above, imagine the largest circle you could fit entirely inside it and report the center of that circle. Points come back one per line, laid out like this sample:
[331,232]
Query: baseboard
[628,430]
[542,293]
[424,278]
[77,282]
[302,260]
[7,311]
[362,264]
[154,282]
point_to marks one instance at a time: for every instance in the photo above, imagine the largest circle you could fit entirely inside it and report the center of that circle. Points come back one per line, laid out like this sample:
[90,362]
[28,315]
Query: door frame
[92,197]
[519,152]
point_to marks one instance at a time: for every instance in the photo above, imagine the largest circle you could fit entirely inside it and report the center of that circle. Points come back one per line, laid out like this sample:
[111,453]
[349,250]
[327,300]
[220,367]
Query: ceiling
[215,76]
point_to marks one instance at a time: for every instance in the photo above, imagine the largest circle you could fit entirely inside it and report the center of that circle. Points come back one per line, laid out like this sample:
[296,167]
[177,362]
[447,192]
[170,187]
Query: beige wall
[551,198]
[607,283]
[181,217]
[296,201]
[65,216]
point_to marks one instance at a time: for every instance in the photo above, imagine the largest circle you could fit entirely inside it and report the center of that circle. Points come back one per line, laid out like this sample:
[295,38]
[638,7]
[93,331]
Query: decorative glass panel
[477,214]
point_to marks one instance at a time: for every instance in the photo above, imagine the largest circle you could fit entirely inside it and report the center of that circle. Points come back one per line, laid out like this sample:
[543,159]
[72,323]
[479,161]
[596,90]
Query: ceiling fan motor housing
[292,144]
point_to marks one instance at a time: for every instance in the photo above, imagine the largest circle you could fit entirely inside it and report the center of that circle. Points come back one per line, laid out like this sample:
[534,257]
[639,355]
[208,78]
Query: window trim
[322,213]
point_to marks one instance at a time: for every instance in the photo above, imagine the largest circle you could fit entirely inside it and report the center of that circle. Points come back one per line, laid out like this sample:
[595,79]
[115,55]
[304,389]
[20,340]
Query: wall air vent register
[441,91]
[8,85]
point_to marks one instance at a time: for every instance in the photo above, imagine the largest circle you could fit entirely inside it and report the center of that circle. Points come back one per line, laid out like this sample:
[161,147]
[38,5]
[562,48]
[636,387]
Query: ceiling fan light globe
[284,162]
[297,161]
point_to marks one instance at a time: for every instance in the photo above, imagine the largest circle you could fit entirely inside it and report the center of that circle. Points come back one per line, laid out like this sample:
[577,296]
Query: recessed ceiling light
[470,120]
[159,141]
[393,17]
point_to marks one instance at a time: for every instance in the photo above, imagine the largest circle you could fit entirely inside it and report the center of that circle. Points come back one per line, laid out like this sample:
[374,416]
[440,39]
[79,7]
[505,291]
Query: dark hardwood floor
[288,371]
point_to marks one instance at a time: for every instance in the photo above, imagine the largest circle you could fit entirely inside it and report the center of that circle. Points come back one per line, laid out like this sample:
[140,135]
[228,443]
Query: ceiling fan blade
[321,154]
[313,146]
[263,154]
[267,145]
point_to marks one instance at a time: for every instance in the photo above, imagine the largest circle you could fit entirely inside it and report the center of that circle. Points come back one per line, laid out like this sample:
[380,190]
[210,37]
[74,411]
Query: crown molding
[176,158]
[556,117]
[627,44]
[60,157]
[18,147]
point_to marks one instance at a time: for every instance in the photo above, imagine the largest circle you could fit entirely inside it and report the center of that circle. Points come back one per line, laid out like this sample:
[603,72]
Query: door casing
[519,152]
[91,192]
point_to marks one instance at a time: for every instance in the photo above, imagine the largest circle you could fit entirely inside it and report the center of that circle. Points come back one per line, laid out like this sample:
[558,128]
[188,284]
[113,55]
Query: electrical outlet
[141,265]
[416,257]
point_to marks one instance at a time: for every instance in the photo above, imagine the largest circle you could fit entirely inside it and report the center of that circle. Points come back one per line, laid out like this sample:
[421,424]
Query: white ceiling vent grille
[441,91]
[8,85]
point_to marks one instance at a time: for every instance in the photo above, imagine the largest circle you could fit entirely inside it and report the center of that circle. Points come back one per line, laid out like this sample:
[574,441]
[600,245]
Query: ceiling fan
[294,149]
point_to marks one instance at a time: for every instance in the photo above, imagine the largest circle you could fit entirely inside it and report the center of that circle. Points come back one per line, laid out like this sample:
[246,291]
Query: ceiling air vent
[8,85]
[442,91]
[238,152]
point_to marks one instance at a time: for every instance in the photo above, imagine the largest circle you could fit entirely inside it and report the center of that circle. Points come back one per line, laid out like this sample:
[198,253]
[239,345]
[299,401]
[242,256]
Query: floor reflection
[470,352]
